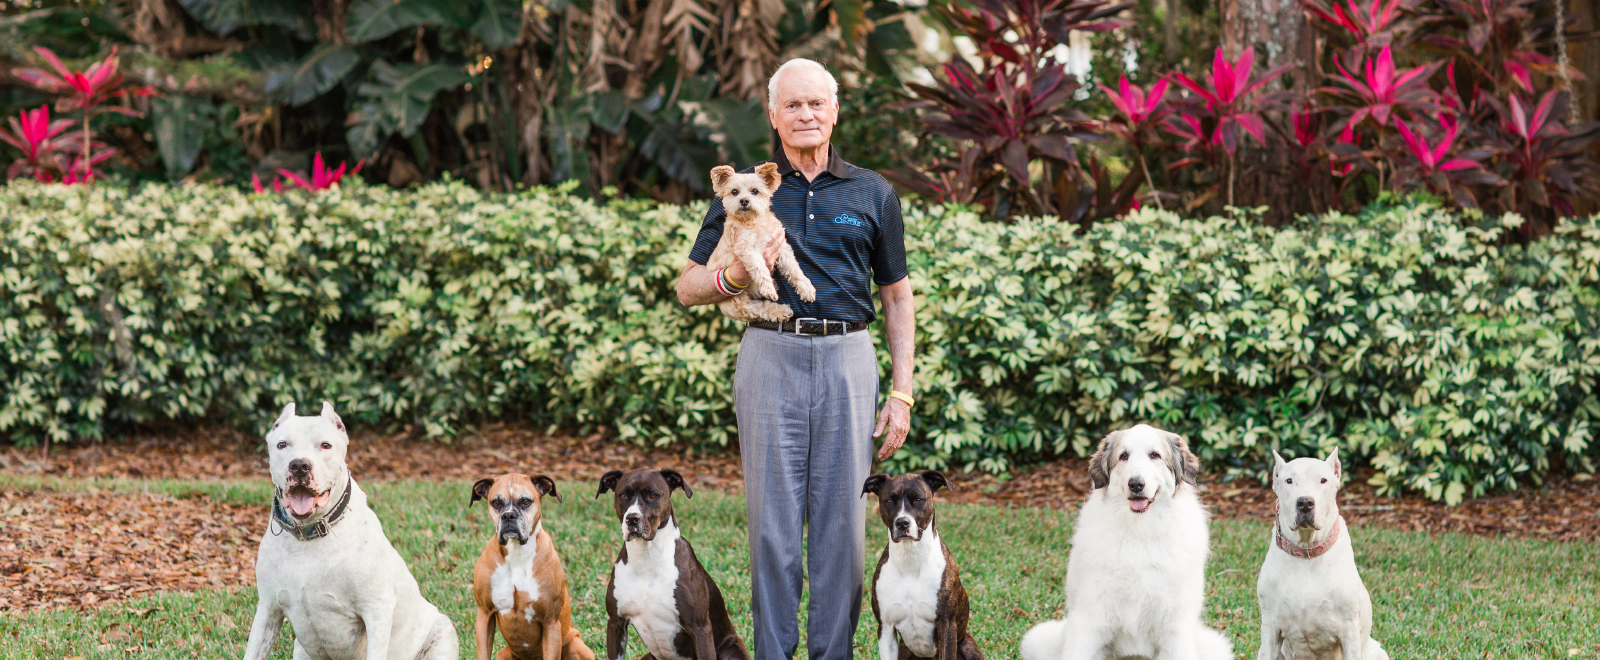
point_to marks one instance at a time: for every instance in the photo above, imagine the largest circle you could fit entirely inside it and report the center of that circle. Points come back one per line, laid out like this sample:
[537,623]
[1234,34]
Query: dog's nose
[744,202]
[631,519]
[1136,485]
[508,514]
[902,524]
[299,467]
[1304,504]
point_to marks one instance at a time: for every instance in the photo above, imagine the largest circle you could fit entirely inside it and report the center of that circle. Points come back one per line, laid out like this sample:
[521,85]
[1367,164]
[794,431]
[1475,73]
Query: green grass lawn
[1446,597]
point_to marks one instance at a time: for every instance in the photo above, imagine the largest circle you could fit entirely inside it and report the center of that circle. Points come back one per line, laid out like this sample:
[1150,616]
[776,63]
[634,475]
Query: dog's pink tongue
[300,504]
[1139,504]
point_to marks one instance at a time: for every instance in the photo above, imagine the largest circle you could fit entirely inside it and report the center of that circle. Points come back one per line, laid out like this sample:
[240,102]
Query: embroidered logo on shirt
[847,219]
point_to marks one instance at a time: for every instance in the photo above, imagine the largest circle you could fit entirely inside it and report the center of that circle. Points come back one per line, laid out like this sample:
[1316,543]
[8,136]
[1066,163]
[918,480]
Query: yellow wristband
[893,394]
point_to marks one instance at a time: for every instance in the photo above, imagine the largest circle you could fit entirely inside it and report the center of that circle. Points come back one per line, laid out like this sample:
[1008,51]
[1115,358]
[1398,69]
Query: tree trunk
[1279,32]
[1276,28]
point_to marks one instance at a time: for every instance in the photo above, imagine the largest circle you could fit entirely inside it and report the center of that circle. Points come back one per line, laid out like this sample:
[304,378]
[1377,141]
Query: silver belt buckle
[801,333]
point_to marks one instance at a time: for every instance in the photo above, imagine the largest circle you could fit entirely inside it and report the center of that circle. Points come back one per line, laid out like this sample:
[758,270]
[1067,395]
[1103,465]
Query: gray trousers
[806,406]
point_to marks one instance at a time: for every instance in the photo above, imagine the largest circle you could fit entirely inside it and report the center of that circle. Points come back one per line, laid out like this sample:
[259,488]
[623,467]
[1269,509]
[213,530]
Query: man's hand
[896,418]
[769,253]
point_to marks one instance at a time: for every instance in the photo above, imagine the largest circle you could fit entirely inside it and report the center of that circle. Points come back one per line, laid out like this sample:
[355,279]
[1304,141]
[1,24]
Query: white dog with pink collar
[1313,603]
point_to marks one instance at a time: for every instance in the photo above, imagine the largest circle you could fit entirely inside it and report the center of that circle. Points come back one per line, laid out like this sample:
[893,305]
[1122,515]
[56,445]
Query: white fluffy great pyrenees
[1136,576]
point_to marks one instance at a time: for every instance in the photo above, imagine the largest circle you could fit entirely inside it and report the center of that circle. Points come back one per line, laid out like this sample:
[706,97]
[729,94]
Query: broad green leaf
[226,16]
[397,100]
[370,20]
[498,23]
[313,75]
[177,122]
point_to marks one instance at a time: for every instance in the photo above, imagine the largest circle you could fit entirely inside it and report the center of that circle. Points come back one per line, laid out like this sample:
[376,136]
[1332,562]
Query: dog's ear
[675,480]
[936,481]
[608,481]
[288,411]
[545,485]
[1100,462]
[1184,464]
[1277,465]
[480,490]
[719,178]
[330,415]
[769,176]
[1333,462]
[874,484]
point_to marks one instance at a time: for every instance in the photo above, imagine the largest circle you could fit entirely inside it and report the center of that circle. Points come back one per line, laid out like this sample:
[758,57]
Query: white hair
[800,63]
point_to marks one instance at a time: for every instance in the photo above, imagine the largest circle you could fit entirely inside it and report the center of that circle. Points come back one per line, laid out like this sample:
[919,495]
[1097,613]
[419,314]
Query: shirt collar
[836,165]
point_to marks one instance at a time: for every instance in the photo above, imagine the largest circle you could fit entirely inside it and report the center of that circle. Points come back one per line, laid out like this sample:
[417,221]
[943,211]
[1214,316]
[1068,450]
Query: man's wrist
[902,397]
[724,285]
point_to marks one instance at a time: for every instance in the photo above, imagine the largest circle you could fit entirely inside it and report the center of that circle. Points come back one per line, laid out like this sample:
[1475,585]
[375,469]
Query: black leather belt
[811,327]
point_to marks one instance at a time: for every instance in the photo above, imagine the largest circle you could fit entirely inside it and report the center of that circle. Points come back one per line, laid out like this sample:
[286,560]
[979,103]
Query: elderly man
[805,390]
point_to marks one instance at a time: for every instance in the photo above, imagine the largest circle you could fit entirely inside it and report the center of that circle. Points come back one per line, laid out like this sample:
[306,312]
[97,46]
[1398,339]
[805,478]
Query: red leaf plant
[41,143]
[1013,120]
[1371,26]
[1140,113]
[1545,160]
[322,177]
[88,91]
[1383,89]
[1232,102]
[1501,40]
[1441,173]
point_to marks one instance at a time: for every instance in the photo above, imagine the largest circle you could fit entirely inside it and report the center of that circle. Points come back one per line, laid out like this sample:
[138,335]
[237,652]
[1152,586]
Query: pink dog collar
[1312,552]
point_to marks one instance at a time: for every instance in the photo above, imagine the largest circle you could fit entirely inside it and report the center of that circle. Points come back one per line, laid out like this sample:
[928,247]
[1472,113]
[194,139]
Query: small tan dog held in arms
[747,199]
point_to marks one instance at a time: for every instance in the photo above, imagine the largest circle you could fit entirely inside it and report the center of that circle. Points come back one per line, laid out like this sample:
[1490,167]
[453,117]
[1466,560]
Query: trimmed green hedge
[1415,338]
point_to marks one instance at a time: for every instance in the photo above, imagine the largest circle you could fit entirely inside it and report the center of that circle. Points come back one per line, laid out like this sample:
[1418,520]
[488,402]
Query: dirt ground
[141,542]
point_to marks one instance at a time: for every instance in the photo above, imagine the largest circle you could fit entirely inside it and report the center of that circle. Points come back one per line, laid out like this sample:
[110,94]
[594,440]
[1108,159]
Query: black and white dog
[916,590]
[657,584]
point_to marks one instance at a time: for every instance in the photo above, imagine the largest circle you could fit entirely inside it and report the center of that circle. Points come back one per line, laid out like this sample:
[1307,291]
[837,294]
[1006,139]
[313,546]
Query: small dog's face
[643,501]
[1307,491]
[306,458]
[746,195]
[515,503]
[1142,464]
[905,503]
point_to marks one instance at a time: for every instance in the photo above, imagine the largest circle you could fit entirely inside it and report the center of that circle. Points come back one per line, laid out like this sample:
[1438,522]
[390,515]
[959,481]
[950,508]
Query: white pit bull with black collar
[1313,604]
[325,564]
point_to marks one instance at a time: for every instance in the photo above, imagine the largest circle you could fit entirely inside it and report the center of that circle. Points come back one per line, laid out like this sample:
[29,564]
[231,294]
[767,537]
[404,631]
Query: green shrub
[1409,336]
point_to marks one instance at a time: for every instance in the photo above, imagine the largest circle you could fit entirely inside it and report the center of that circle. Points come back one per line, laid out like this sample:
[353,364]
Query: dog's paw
[807,292]
[781,313]
[768,290]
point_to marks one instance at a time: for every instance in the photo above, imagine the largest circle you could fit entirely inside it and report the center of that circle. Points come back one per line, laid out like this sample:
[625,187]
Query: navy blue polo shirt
[846,231]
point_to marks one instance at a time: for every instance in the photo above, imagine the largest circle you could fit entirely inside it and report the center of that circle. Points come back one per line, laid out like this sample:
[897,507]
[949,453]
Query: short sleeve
[889,251]
[710,233]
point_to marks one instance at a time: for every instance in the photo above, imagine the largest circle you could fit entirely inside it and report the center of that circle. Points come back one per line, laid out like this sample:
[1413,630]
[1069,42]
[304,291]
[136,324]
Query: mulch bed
[50,542]
[78,550]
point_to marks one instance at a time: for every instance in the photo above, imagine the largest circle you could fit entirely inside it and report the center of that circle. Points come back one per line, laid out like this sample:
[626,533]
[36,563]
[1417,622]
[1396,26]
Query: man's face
[804,113]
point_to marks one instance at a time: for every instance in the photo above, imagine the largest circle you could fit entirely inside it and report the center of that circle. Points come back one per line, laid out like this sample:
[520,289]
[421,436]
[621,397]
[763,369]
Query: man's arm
[695,286]
[901,323]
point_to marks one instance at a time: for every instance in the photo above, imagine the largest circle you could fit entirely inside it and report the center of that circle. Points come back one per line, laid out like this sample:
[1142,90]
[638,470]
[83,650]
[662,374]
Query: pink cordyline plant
[322,177]
[1307,126]
[1433,158]
[1363,23]
[1141,112]
[1442,174]
[40,142]
[87,91]
[1231,98]
[1383,89]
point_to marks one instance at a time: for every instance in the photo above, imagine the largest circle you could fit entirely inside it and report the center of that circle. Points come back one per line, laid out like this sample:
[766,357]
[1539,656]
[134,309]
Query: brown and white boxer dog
[916,590]
[518,582]
[657,584]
